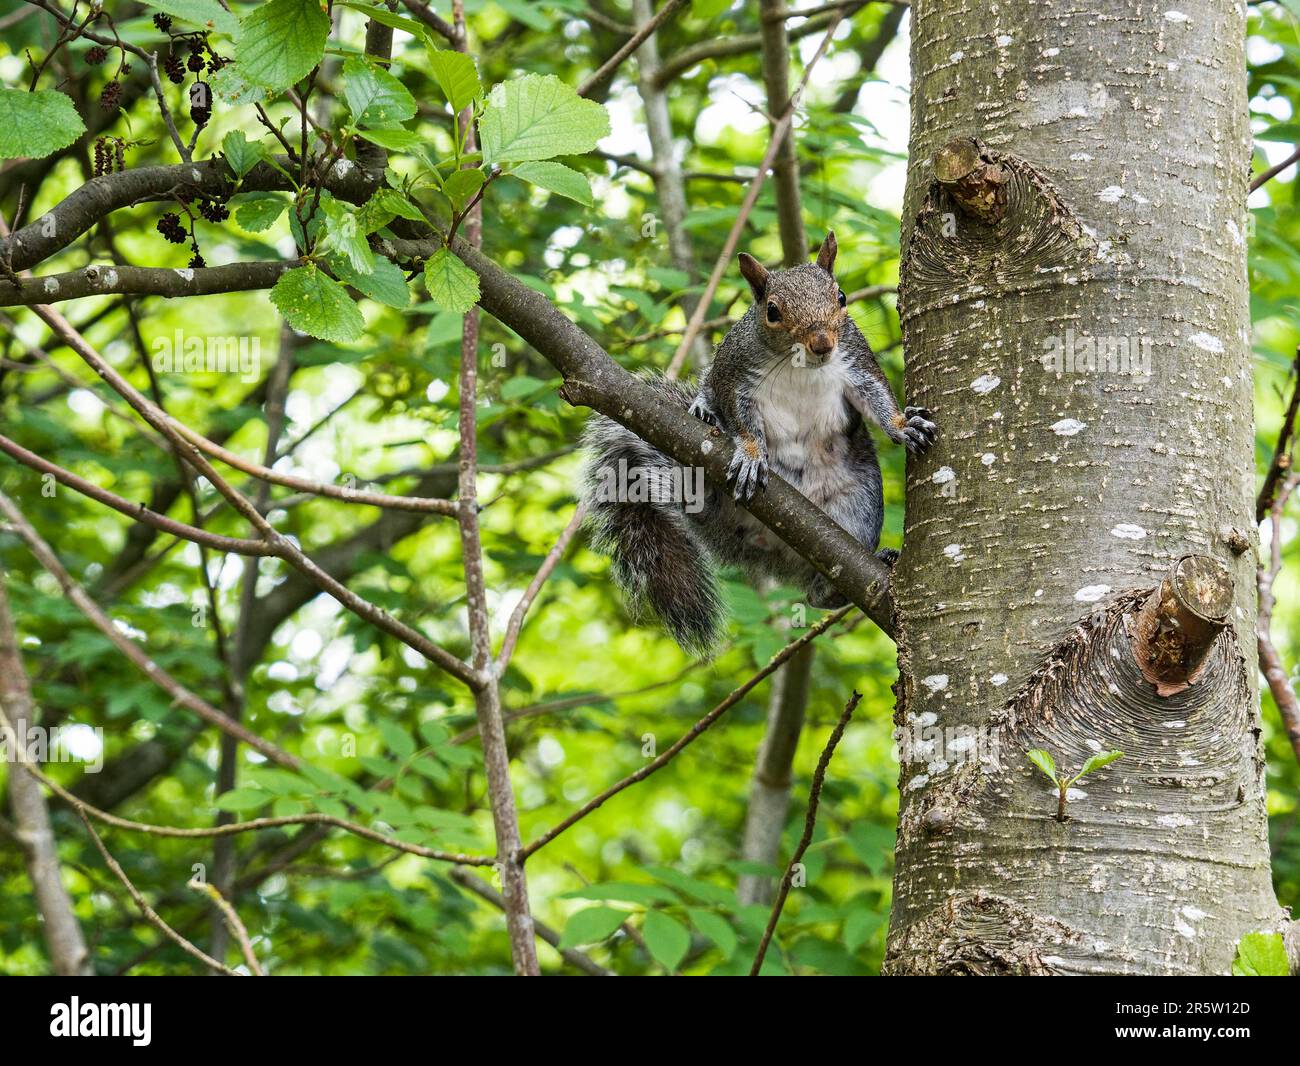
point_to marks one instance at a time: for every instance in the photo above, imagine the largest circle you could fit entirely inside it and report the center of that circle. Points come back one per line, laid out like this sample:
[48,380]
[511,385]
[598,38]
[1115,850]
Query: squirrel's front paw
[700,409]
[749,473]
[918,432]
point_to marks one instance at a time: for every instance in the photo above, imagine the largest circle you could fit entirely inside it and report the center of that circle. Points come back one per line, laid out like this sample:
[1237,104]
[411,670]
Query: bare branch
[179,693]
[632,44]
[232,921]
[534,587]
[810,823]
[697,730]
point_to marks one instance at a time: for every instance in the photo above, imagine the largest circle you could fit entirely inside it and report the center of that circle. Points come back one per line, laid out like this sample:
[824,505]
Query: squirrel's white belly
[805,420]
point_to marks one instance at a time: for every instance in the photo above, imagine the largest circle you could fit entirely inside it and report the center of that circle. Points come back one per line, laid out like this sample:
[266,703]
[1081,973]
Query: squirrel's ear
[755,273]
[826,256]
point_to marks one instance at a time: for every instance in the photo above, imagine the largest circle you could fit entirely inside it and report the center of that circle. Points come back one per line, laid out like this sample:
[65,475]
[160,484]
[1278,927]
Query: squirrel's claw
[700,409]
[920,432]
[749,474]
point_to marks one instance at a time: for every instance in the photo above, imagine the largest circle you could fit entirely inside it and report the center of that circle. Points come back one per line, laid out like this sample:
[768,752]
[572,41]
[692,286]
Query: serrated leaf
[456,76]
[207,14]
[1096,762]
[317,305]
[556,178]
[1261,955]
[241,153]
[383,207]
[37,124]
[242,799]
[385,283]
[461,185]
[666,939]
[344,235]
[716,928]
[1043,761]
[374,96]
[451,284]
[258,211]
[539,117]
[591,925]
[279,42]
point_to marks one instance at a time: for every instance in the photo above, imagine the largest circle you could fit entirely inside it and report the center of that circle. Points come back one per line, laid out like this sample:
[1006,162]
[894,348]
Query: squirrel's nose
[821,344]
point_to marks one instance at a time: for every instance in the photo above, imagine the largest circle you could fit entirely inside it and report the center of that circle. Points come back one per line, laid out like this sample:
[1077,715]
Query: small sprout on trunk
[1064,782]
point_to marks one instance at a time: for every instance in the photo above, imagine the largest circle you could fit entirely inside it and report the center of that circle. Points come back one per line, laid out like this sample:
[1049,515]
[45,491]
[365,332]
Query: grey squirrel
[790,385]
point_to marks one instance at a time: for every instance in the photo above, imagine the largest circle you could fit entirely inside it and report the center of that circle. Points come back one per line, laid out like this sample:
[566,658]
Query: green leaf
[461,185]
[859,927]
[374,96]
[242,799]
[716,928]
[1096,762]
[517,388]
[556,178]
[626,892]
[317,305]
[1043,761]
[666,939]
[344,234]
[280,42]
[386,283]
[1261,955]
[36,124]
[526,11]
[539,117]
[398,739]
[591,925]
[456,76]
[452,285]
[241,153]
[383,207]
[207,14]
[258,211]
[396,140]
[385,17]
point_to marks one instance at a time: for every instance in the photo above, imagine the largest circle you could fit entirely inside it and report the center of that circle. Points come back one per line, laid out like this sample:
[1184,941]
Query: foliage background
[667,847]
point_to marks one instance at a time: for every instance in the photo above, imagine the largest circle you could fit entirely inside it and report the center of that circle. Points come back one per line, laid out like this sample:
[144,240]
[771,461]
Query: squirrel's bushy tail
[659,561]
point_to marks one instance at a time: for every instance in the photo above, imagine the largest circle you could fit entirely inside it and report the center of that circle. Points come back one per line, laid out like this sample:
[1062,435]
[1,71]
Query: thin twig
[691,735]
[232,921]
[810,822]
[535,586]
[150,915]
[779,133]
[612,64]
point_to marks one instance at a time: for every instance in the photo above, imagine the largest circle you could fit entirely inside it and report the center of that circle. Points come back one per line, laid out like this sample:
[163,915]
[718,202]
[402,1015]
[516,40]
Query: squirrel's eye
[843,299]
[773,313]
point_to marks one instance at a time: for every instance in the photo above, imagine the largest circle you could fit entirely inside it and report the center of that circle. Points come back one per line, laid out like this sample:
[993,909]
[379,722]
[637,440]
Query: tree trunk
[69,956]
[1074,309]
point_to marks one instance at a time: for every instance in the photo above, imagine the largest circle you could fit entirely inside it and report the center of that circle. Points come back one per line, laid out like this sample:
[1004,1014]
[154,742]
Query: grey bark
[1107,199]
[63,937]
